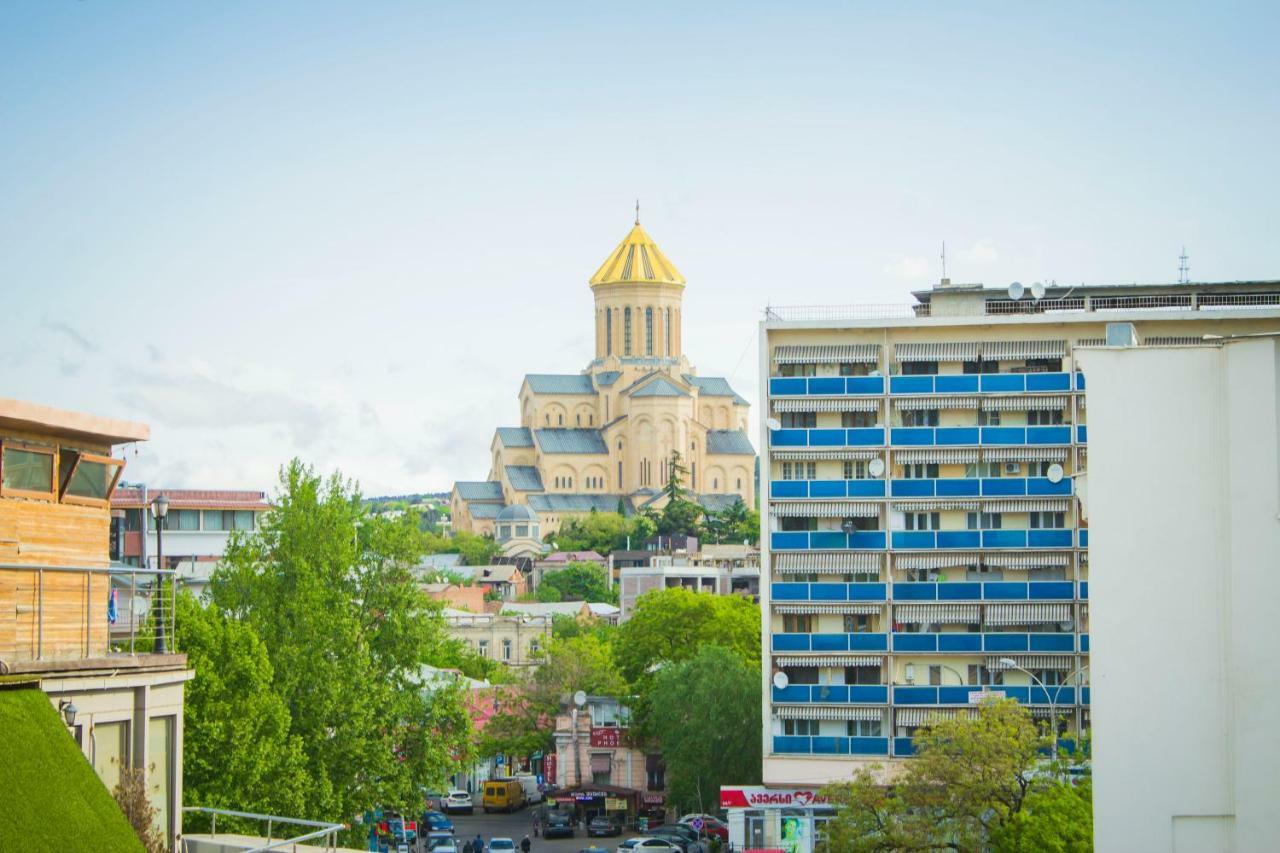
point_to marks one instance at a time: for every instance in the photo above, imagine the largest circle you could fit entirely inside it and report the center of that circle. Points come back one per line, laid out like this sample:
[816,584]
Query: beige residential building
[602,438]
[516,640]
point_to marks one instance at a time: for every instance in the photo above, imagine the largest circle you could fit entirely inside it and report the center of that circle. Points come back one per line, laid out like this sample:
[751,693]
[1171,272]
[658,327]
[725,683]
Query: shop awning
[945,401]
[937,351]
[845,607]
[826,404]
[821,712]
[935,561]
[828,354]
[825,509]
[1006,350]
[1058,662]
[1023,403]
[828,562]
[936,614]
[942,456]
[1026,613]
[829,660]
[822,455]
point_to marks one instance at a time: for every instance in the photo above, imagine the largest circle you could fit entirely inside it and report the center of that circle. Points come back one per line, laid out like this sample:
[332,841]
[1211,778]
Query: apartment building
[924,547]
[515,640]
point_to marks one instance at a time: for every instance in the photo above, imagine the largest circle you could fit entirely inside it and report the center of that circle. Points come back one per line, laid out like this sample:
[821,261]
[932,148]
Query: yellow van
[502,795]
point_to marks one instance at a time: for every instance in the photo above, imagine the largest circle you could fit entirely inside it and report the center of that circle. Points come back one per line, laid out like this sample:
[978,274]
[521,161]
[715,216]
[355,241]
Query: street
[519,824]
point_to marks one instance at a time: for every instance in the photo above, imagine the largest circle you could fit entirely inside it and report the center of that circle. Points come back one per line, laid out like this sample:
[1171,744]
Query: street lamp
[69,711]
[1010,663]
[160,508]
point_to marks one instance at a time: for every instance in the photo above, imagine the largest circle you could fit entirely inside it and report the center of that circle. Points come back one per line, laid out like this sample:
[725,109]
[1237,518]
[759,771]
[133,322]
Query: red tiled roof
[131,498]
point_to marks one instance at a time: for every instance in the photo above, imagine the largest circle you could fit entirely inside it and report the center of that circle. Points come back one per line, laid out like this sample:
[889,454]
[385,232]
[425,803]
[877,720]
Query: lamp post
[1010,663]
[160,509]
[69,711]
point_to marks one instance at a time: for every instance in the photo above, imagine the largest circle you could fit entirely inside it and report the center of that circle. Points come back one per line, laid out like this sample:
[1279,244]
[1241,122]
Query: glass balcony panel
[865,591]
[959,642]
[1041,486]
[826,438]
[1002,382]
[789,591]
[829,643]
[1004,486]
[827,745]
[915,591]
[827,539]
[870,693]
[789,438]
[1051,538]
[792,693]
[1084,643]
[1052,642]
[1050,590]
[867,540]
[954,695]
[1004,435]
[1004,538]
[868,642]
[865,488]
[915,642]
[826,488]
[915,696]
[1048,435]
[791,745]
[1079,381]
[907,539]
[1082,434]
[1084,538]
[1084,587]
[958,487]
[829,693]
[827,591]
[791,642]
[903,747]
[1048,381]
[1004,642]
[868,745]
[788,540]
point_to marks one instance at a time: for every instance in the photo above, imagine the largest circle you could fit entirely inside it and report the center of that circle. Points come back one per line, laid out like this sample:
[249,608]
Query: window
[855,469]
[87,478]
[608,331]
[920,471]
[1044,417]
[854,369]
[666,334]
[857,420]
[983,520]
[862,675]
[920,418]
[655,767]
[857,623]
[923,521]
[803,728]
[988,418]
[922,575]
[981,366]
[801,674]
[863,728]
[797,623]
[522,530]
[534,647]
[1044,365]
[483,648]
[1038,469]
[648,331]
[1048,519]
[799,420]
[506,650]
[27,471]
[797,370]
[601,768]
[561,417]
[799,470]
[626,331]
[983,469]
[227,519]
[794,523]
[919,368]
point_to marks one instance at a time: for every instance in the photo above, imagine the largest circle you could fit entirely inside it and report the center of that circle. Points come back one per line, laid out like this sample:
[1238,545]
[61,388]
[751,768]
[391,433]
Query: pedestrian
[467,848]
[478,846]
[525,844]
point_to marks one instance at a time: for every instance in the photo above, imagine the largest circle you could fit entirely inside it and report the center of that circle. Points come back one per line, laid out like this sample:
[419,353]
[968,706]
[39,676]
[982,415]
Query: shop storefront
[789,820]
[619,804]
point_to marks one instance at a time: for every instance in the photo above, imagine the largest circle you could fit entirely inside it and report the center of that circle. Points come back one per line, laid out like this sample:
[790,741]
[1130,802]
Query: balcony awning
[822,455]
[938,614]
[1024,403]
[1026,613]
[1027,561]
[1058,662]
[1024,454]
[829,660]
[826,404]
[943,456]
[825,509]
[1027,504]
[1044,712]
[925,505]
[944,401]
[937,351]
[845,607]
[827,562]
[828,354]
[1004,350]
[935,561]
[826,712]
[919,716]
[1091,342]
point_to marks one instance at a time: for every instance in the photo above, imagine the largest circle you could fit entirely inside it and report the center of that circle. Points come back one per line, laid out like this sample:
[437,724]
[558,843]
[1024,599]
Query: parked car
[648,845]
[502,795]
[593,849]
[711,825]
[682,836]
[601,826]
[501,845]
[532,792]
[458,802]
[437,821]
[444,848]
[437,839]
[557,825]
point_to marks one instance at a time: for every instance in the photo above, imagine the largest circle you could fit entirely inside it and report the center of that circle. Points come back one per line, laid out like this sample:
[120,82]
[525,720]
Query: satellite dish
[1037,290]
[1054,473]
[773,423]
[1016,291]
[780,680]
[847,525]
[875,467]
[580,698]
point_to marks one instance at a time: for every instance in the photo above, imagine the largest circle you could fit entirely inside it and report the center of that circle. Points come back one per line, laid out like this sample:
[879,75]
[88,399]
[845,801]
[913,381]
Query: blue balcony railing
[961,436]
[961,643]
[856,437]
[820,745]
[779,489]
[809,540]
[972,487]
[903,747]
[984,591]
[923,540]
[827,386]
[830,642]
[784,591]
[973,383]
[838,694]
[959,694]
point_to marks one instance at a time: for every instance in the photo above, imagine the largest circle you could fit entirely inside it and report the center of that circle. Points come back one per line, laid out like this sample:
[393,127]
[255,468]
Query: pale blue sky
[345,230]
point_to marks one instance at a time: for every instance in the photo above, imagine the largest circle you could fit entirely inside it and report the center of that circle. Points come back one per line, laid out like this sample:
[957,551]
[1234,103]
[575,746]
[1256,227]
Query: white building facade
[1185,523]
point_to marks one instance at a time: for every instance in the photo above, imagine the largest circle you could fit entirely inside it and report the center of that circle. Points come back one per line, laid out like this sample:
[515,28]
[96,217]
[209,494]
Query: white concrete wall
[1184,500]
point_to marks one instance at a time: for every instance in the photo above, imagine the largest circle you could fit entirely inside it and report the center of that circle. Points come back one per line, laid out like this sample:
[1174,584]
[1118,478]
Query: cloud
[70,334]
[910,269]
[981,252]
[69,367]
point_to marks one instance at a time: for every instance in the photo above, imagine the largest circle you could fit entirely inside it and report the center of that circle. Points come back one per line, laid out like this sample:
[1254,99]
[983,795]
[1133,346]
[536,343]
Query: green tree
[670,625]
[1055,818]
[328,590]
[680,516]
[737,523]
[239,753]
[706,711]
[579,582]
[475,550]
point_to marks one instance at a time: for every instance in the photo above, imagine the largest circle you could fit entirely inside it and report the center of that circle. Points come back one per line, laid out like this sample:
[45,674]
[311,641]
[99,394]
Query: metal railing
[325,830]
[80,612]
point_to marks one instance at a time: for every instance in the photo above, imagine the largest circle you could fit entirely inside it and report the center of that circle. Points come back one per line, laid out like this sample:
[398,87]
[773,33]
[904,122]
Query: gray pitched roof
[486,511]
[607,377]
[717,503]
[661,386]
[524,478]
[554,440]
[515,436]
[482,490]
[729,441]
[715,386]
[577,503]
[560,383]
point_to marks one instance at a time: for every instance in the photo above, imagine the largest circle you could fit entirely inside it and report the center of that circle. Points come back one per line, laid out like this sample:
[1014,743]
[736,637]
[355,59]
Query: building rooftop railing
[325,832]
[70,613]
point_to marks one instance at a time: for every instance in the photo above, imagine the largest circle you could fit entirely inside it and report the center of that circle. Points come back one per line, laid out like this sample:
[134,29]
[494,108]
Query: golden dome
[637,260]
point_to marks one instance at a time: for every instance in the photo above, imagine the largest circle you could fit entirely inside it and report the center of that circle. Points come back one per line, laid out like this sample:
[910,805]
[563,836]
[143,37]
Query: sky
[344,231]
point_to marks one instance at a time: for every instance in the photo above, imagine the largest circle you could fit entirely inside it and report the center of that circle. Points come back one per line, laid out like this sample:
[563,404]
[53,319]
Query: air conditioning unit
[1012,468]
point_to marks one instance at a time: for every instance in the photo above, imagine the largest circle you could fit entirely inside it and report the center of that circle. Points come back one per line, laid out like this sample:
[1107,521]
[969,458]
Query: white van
[532,793]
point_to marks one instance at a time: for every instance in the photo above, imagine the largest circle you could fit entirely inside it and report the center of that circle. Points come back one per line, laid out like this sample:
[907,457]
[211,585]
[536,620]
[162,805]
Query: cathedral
[603,438]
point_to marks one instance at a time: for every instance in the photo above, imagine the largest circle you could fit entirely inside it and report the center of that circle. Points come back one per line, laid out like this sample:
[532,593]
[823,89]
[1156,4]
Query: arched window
[648,331]
[626,331]
[666,334]
[608,331]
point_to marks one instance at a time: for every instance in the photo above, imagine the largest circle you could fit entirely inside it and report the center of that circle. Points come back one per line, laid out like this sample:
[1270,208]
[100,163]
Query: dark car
[437,821]
[602,826]
[557,825]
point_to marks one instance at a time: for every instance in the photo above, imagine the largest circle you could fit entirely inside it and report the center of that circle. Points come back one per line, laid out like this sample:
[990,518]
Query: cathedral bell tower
[638,293]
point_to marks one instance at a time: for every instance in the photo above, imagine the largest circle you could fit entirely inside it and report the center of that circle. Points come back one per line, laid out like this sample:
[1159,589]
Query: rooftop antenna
[944,260]
[637,211]
[1184,269]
